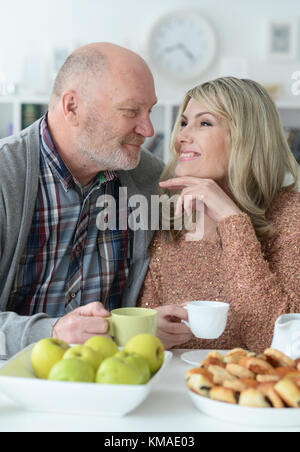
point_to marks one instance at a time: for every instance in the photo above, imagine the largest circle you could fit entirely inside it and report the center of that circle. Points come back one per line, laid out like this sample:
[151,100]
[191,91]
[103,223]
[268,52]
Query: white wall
[32,28]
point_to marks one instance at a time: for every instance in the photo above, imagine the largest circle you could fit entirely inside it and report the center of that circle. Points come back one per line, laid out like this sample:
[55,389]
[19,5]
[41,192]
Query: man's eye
[130,112]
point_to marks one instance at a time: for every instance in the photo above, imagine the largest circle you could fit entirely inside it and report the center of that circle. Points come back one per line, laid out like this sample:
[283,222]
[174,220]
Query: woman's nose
[185,136]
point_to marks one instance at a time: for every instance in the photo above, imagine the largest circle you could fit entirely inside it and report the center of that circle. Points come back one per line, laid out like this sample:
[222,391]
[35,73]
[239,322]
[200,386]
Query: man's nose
[145,128]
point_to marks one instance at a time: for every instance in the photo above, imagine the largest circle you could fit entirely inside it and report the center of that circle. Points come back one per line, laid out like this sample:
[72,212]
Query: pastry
[278,359]
[199,381]
[234,356]
[258,366]
[223,395]
[267,389]
[254,398]
[289,391]
[239,371]
[267,378]
[215,354]
[287,372]
[210,360]
[240,384]
[220,375]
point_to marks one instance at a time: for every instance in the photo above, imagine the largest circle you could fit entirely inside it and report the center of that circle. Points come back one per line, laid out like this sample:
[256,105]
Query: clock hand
[186,51]
[172,48]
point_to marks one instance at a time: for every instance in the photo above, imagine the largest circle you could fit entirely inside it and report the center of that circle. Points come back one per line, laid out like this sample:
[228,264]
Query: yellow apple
[103,345]
[117,371]
[149,347]
[45,354]
[73,370]
[137,361]
[85,353]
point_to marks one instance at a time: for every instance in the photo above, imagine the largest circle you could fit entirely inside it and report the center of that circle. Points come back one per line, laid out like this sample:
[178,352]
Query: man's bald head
[90,63]
[99,113]
[83,63]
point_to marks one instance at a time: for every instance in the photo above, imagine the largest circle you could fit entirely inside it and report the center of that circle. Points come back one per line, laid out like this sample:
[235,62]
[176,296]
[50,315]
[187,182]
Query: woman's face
[202,144]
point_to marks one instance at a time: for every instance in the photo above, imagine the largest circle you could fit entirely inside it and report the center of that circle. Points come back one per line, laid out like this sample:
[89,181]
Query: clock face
[182,45]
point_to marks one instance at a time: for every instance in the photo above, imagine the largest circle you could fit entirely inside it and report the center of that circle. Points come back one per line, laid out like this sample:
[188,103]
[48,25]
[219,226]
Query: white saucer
[194,357]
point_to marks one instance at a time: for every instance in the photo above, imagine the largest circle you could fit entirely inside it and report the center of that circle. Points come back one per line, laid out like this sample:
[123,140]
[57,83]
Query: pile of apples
[99,360]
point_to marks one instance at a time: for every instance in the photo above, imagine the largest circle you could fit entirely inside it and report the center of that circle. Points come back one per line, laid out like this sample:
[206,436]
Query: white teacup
[207,319]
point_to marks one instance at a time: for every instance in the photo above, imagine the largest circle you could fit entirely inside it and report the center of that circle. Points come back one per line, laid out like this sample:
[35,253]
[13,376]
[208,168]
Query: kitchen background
[258,39]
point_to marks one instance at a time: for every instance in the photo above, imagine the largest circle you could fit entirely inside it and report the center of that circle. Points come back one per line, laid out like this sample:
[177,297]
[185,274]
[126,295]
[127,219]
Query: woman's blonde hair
[260,156]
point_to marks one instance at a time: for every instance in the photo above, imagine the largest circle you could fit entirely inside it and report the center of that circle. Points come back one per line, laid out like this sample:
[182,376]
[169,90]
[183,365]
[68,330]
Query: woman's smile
[188,155]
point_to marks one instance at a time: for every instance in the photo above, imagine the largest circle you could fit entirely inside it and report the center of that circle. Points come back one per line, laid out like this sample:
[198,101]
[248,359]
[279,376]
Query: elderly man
[58,274]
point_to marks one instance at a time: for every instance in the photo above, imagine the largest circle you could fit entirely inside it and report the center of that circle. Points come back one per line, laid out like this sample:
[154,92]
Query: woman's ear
[70,106]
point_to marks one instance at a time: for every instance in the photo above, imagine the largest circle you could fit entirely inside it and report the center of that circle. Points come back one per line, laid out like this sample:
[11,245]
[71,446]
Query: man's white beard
[109,154]
[118,160]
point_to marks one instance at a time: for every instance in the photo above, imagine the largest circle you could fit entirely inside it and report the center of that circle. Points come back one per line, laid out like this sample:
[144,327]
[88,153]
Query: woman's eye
[205,124]
[183,124]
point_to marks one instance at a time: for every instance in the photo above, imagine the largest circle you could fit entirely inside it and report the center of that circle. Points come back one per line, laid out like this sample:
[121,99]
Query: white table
[167,409]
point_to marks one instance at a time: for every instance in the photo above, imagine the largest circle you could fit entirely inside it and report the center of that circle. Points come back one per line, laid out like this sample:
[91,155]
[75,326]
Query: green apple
[45,354]
[73,370]
[148,346]
[137,361]
[117,371]
[103,345]
[85,353]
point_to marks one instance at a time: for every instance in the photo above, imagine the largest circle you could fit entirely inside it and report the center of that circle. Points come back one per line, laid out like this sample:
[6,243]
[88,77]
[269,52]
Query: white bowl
[18,382]
[264,417]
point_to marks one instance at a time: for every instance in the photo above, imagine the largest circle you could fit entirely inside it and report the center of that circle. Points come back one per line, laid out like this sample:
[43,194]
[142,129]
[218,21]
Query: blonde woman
[230,152]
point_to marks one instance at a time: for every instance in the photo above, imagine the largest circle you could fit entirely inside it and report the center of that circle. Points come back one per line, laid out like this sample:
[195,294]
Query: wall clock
[182,45]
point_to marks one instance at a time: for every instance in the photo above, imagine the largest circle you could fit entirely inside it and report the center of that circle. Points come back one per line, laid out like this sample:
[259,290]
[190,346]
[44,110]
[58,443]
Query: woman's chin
[180,171]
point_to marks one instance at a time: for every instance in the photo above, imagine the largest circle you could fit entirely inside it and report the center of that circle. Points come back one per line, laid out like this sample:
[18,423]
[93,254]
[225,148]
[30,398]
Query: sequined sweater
[259,281]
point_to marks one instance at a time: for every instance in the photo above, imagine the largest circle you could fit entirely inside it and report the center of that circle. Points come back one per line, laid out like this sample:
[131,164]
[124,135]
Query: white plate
[17,381]
[264,417]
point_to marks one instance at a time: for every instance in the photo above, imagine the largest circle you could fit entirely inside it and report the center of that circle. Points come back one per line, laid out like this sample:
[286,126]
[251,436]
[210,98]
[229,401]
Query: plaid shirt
[68,262]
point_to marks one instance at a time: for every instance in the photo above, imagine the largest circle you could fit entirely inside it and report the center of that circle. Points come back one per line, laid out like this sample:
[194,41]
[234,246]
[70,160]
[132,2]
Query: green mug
[125,323]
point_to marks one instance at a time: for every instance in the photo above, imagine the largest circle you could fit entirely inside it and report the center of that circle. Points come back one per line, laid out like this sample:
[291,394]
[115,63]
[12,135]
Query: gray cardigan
[19,175]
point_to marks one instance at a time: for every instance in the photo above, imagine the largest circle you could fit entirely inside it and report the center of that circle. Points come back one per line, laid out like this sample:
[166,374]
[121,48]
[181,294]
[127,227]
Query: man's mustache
[134,140]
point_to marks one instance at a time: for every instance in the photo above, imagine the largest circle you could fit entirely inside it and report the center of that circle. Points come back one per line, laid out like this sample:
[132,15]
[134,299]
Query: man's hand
[81,324]
[170,329]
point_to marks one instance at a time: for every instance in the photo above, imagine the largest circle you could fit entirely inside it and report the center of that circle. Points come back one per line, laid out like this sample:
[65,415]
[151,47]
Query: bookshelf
[18,112]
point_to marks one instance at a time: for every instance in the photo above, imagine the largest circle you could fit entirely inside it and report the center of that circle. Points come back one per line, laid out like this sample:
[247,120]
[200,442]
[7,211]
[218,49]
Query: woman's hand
[218,205]
[170,330]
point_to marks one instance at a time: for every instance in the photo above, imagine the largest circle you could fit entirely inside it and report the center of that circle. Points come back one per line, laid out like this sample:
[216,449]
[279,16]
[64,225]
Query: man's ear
[69,103]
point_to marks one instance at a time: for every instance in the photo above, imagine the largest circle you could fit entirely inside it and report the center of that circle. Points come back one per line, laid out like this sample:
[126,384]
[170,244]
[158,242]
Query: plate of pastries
[247,388]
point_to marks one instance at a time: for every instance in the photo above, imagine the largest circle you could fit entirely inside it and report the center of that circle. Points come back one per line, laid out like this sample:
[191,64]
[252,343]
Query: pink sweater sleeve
[261,286]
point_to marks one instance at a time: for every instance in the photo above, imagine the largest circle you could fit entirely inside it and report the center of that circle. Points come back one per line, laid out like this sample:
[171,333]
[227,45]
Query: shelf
[163,118]
[288,105]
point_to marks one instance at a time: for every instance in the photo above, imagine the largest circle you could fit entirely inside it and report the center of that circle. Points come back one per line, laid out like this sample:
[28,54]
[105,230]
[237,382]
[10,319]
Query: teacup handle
[186,323]
[110,330]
